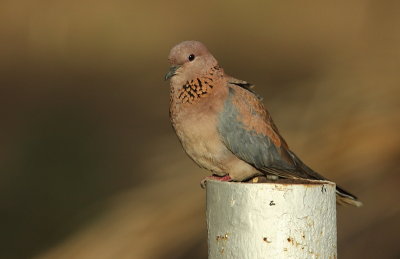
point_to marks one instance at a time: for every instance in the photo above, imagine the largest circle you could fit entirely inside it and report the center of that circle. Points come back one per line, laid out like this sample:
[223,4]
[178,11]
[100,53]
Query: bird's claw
[225,178]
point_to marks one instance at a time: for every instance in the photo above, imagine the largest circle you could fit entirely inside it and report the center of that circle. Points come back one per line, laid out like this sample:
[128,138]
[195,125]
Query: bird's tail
[343,197]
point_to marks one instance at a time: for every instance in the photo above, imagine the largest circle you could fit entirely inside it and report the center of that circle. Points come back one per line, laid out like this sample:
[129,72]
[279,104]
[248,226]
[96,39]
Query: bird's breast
[196,127]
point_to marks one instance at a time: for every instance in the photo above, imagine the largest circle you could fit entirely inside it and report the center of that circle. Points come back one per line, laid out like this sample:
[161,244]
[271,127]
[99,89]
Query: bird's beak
[171,72]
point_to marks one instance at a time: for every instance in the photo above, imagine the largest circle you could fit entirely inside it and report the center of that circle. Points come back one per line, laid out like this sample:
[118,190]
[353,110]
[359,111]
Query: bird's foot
[225,178]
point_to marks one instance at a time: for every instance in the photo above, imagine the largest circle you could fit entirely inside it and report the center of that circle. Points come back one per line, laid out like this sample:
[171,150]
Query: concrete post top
[274,219]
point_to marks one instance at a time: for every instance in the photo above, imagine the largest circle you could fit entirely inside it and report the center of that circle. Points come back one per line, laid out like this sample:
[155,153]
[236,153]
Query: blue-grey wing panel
[253,147]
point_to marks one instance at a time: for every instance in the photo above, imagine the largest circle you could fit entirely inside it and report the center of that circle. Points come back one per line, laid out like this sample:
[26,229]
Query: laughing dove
[223,125]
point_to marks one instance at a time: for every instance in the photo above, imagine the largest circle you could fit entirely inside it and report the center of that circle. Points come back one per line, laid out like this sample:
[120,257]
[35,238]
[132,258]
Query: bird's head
[189,59]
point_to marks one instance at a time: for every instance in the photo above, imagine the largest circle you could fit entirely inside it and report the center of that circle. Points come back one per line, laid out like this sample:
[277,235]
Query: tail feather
[343,197]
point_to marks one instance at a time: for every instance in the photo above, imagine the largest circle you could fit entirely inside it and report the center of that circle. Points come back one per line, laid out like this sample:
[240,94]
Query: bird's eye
[191,57]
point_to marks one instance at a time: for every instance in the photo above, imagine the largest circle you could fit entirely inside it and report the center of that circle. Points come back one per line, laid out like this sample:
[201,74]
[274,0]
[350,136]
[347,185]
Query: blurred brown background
[89,164]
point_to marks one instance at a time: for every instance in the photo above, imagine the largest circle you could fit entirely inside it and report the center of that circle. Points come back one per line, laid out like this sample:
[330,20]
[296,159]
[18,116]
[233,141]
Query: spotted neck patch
[199,87]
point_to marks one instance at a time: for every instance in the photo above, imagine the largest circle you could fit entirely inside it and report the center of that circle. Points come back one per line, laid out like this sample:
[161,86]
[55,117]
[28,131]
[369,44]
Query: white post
[271,220]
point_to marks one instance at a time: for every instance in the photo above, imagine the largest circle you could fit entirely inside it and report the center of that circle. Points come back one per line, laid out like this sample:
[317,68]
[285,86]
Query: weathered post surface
[271,220]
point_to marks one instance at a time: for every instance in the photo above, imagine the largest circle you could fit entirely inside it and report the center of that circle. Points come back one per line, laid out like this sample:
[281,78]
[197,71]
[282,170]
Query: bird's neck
[199,87]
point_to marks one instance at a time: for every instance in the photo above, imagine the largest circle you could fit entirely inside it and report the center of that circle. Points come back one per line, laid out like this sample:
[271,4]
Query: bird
[223,125]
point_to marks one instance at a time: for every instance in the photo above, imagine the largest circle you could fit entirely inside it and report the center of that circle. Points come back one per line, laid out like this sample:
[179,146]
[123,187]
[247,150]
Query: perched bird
[223,125]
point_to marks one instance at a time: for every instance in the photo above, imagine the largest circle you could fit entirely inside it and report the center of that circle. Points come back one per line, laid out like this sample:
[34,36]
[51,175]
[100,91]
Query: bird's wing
[243,84]
[247,130]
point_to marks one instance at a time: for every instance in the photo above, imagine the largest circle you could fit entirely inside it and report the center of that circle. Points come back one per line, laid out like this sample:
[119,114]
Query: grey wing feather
[256,149]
